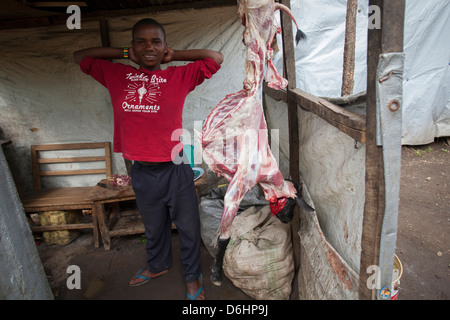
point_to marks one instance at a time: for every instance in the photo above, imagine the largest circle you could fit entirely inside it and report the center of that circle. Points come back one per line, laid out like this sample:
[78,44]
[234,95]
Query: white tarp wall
[45,98]
[332,168]
[426,84]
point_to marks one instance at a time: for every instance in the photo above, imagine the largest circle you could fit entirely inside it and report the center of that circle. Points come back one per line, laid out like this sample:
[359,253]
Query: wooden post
[349,48]
[387,39]
[294,144]
[104,32]
[289,74]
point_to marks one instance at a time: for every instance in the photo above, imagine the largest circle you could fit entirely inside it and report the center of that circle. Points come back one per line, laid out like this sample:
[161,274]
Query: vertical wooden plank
[289,73]
[35,168]
[393,21]
[104,35]
[374,197]
[108,164]
[288,46]
[349,48]
[95,230]
[100,216]
[104,32]
[387,39]
[294,140]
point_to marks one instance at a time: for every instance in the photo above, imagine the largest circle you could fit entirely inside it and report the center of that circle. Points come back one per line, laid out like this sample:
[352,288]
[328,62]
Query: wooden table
[105,221]
[111,221]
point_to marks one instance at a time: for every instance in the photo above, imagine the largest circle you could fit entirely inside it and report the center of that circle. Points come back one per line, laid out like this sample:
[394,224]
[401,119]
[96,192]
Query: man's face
[149,46]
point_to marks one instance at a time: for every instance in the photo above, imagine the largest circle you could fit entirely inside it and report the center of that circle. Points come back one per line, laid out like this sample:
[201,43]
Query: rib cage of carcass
[234,137]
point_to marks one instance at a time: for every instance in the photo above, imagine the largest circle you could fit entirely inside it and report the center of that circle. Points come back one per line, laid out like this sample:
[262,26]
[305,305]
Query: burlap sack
[259,258]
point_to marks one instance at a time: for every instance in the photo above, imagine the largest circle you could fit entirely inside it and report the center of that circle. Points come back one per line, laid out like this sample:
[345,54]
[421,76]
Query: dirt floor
[105,274]
[422,246]
[423,240]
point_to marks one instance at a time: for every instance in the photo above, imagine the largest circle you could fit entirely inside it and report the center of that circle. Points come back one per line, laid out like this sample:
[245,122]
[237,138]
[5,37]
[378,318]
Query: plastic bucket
[396,275]
[188,150]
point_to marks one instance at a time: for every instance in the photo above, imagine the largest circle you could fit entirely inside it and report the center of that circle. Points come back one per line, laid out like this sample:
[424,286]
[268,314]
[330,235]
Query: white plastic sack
[259,258]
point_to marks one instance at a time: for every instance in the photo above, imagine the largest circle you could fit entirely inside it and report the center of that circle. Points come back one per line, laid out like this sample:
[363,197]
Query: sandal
[145,278]
[195,296]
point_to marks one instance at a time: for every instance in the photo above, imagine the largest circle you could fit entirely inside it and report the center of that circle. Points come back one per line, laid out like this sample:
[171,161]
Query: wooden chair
[65,198]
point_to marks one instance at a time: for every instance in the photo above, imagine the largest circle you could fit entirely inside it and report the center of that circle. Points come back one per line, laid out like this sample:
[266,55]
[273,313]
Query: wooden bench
[65,198]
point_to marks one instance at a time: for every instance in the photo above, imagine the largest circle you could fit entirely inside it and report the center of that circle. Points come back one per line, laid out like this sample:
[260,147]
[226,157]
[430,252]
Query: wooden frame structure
[389,38]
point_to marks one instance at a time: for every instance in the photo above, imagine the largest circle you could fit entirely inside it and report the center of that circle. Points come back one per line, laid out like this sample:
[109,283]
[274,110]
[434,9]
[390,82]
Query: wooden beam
[106,42]
[45,4]
[72,226]
[294,135]
[71,172]
[70,146]
[104,32]
[349,48]
[387,39]
[374,195]
[351,123]
[71,159]
[290,75]
[278,95]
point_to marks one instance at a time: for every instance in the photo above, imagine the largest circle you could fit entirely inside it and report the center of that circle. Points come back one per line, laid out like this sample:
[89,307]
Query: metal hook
[386,77]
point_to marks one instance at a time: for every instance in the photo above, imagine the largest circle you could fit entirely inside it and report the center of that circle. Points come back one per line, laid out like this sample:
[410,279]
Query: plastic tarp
[426,83]
[389,135]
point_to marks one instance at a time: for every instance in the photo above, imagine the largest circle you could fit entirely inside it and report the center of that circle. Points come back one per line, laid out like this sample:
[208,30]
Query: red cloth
[148,105]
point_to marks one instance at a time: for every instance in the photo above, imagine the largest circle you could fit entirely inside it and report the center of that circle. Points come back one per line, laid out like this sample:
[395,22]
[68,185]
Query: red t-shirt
[148,105]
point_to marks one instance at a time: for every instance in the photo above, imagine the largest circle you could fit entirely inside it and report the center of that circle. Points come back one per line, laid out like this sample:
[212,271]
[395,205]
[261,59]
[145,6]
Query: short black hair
[148,21]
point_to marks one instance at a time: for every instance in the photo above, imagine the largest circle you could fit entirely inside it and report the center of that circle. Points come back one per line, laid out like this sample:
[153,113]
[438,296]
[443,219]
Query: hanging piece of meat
[234,137]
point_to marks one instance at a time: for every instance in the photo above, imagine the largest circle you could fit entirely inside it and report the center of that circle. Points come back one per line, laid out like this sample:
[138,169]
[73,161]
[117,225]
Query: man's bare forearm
[172,55]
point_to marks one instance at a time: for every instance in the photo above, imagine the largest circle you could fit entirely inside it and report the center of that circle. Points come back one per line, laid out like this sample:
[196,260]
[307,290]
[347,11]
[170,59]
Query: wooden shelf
[130,222]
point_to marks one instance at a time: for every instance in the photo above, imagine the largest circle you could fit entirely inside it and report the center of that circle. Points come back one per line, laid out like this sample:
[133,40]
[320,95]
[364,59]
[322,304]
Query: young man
[148,105]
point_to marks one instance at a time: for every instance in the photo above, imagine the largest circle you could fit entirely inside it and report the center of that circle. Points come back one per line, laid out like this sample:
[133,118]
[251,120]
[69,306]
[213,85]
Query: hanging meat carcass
[234,137]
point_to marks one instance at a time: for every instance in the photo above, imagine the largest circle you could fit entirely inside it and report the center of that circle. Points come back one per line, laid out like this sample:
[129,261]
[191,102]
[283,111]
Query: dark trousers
[165,193]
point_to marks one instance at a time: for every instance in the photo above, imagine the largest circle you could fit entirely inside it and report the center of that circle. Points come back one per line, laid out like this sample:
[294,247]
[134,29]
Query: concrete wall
[22,273]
